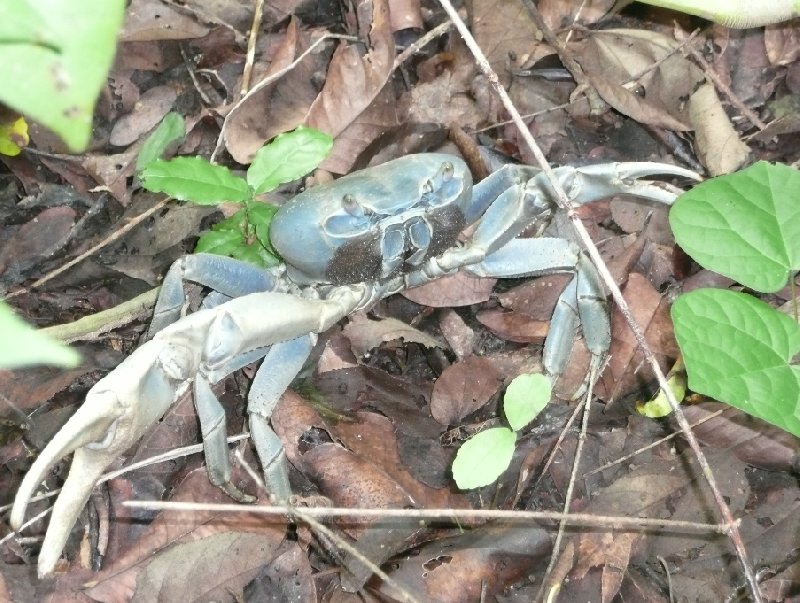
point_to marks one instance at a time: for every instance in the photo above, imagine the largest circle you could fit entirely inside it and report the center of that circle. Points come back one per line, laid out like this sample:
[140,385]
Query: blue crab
[345,245]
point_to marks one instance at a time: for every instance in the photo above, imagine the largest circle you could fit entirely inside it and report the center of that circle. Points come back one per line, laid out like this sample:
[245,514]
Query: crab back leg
[581,304]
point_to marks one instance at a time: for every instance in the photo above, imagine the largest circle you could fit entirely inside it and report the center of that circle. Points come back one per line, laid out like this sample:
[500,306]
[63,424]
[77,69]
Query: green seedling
[486,455]
[244,235]
[736,348]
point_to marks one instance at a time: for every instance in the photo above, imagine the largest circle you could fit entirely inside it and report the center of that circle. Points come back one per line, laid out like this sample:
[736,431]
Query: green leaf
[526,396]
[261,215]
[737,349]
[237,238]
[290,156]
[170,132]
[484,457]
[54,57]
[220,242]
[744,225]
[194,179]
[21,345]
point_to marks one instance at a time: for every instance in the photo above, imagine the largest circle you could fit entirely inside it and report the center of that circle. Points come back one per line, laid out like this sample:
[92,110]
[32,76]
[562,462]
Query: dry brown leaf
[612,57]
[782,42]
[405,14]
[504,29]
[514,326]
[353,80]
[169,529]
[463,388]
[751,440]
[281,105]
[213,568]
[458,289]
[625,368]
[337,354]
[537,298]
[462,569]
[718,145]
[610,551]
[558,14]
[366,334]
[149,110]
[147,20]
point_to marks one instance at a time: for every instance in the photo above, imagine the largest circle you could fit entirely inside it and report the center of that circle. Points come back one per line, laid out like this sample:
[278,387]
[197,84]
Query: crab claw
[117,412]
[594,182]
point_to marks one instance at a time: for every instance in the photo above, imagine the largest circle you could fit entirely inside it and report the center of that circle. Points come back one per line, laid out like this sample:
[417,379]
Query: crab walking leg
[582,303]
[281,365]
[224,275]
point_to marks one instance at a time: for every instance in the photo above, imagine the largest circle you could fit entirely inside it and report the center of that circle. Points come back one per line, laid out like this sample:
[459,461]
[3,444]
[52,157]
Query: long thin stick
[565,204]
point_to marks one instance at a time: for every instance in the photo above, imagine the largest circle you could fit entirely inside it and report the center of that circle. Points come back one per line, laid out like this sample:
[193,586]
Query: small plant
[244,235]
[486,455]
[53,64]
[736,348]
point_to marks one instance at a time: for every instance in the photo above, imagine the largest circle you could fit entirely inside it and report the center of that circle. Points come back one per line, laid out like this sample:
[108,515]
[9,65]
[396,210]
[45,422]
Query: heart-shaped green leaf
[744,225]
[738,350]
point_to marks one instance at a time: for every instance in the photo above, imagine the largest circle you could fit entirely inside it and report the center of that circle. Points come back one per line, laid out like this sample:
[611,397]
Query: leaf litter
[362,432]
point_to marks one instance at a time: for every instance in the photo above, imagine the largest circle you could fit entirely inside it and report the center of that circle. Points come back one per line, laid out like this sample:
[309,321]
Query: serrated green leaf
[525,397]
[194,179]
[54,57]
[220,242]
[256,255]
[744,225]
[484,457]
[261,215]
[737,349]
[21,345]
[290,156]
[170,131]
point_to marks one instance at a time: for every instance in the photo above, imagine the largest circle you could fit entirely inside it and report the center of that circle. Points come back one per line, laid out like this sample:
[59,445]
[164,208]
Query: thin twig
[724,88]
[456,516]
[418,45]
[114,236]
[571,485]
[565,204]
[266,81]
[649,446]
[251,47]
[329,535]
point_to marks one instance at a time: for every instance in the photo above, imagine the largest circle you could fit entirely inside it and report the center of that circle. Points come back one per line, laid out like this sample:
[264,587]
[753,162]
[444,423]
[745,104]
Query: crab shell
[375,224]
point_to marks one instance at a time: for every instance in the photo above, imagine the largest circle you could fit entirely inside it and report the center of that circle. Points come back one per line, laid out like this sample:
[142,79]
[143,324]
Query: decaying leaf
[366,334]
[463,388]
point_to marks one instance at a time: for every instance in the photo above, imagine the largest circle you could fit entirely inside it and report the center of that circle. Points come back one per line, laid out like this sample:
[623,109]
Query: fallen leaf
[514,326]
[463,388]
[366,334]
[458,289]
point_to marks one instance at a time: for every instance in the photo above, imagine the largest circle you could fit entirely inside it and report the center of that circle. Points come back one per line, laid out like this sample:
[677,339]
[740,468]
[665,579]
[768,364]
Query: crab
[345,246]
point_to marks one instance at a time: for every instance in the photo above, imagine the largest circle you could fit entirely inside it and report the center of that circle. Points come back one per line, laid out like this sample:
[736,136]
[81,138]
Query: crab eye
[427,188]
[447,170]
[352,207]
